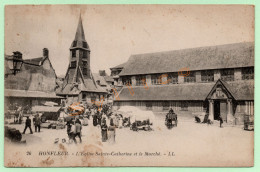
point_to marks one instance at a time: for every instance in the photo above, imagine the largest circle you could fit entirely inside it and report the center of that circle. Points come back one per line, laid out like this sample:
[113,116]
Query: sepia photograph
[129,85]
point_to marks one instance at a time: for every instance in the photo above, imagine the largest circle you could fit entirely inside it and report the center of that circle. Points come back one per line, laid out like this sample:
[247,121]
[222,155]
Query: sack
[13,134]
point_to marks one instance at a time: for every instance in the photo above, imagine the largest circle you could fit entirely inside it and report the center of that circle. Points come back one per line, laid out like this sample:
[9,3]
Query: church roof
[203,58]
[74,81]
[79,40]
[241,90]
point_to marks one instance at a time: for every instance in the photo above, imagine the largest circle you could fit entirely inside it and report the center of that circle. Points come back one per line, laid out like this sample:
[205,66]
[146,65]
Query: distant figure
[69,125]
[104,130]
[170,116]
[95,120]
[28,123]
[99,117]
[220,121]
[111,132]
[78,121]
[171,111]
[37,123]
[77,131]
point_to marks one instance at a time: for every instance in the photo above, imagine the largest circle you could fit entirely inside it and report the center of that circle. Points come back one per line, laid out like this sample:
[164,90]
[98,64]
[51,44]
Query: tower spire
[79,40]
[80,36]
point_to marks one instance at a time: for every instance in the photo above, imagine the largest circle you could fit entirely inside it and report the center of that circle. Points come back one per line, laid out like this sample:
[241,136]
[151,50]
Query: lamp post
[15,62]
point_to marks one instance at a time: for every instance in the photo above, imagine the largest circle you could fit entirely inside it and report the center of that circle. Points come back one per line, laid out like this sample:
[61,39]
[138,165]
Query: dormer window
[207,76]
[84,54]
[73,53]
[227,74]
[248,73]
[73,64]
[85,64]
[74,43]
[85,45]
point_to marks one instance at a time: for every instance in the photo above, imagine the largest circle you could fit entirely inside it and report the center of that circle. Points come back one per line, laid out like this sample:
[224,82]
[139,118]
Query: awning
[46,108]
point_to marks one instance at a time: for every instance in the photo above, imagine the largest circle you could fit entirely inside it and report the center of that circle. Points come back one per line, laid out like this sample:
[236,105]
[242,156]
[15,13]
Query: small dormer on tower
[80,52]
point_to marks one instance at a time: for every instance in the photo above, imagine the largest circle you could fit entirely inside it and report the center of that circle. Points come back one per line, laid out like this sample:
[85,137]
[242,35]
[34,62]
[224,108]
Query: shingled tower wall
[79,55]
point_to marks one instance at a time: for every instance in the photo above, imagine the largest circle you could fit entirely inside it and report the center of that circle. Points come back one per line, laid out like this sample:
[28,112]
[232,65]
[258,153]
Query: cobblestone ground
[189,144]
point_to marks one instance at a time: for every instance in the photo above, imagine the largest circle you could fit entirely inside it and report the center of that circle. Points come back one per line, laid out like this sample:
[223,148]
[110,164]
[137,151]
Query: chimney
[45,52]
[102,73]
[18,55]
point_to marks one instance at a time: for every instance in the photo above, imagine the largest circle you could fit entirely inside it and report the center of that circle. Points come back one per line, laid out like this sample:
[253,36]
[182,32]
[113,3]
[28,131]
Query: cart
[141,125]
[171,120]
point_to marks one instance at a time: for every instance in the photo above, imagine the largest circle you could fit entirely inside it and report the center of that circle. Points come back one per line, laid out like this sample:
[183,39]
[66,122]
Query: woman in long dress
[95,120]
[111,132]
[104,130]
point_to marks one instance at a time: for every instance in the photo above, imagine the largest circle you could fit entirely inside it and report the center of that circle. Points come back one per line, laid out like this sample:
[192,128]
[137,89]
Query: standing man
[220,121]
[28,123]
[77,132]
[37,123]
[69,125]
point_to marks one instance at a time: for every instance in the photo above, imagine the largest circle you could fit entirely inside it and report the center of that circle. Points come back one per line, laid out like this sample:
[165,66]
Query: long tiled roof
[211,57]
[119,66]
[241,90]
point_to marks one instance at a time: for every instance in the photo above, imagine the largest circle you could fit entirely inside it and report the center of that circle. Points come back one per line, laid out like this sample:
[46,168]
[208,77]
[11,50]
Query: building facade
[33,85]
[115,71]
[79,84]
[218,80]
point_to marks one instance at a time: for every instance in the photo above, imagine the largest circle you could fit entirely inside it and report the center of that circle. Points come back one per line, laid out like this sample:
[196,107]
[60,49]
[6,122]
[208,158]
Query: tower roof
[79,40]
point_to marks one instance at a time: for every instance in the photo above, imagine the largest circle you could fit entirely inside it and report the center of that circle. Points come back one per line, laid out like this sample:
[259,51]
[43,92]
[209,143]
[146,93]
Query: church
[79,84]
[217,80]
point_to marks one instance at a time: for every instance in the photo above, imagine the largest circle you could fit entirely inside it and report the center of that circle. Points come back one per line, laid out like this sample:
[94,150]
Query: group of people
[108,133]
[102,118]
[36,121]
[74,129]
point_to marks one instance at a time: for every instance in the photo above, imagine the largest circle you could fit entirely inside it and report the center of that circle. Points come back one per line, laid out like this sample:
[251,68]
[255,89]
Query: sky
[115,32]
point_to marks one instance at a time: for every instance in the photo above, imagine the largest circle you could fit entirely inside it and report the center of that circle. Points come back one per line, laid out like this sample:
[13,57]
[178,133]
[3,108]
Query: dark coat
[28,122]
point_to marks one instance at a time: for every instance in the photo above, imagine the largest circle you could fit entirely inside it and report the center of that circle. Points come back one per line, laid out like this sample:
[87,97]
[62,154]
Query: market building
[79,84]
[218,80]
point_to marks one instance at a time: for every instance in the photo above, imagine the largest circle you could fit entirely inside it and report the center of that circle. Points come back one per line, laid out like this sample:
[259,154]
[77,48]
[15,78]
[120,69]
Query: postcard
[129,85]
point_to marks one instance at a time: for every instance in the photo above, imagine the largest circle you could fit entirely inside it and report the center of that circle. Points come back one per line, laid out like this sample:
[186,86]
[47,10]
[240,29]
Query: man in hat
[77,131]
[37,123]
[28,123]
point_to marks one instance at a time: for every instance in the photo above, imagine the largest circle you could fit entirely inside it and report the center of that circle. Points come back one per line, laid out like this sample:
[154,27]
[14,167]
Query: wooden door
[223,110]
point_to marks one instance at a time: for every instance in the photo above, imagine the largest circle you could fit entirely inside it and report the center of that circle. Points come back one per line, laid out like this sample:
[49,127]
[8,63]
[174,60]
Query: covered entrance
[220,102]
[220,109]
